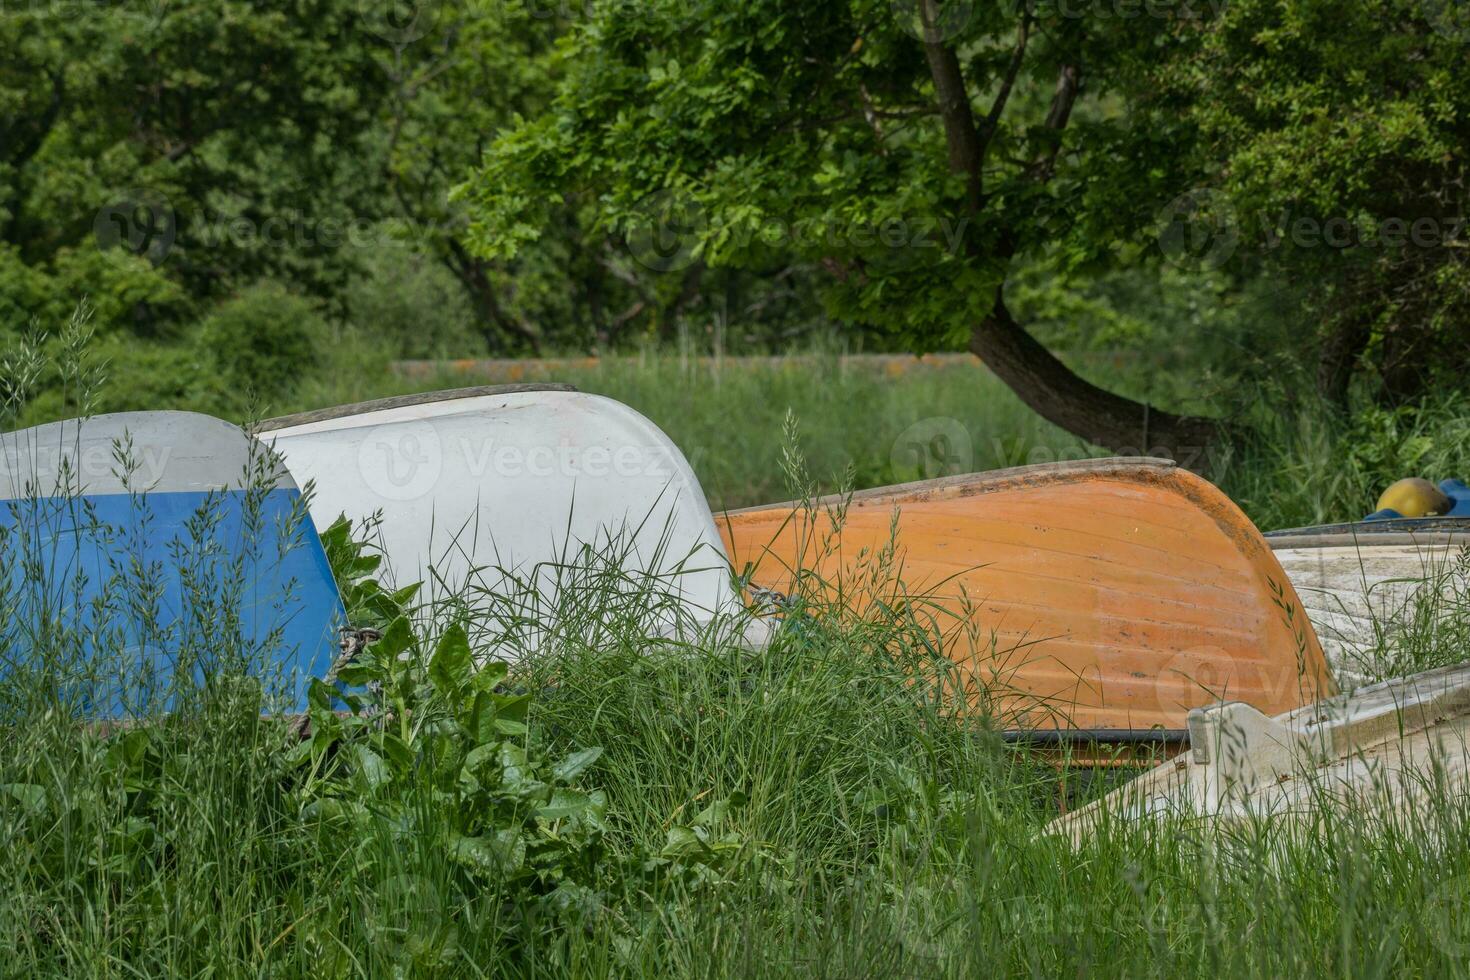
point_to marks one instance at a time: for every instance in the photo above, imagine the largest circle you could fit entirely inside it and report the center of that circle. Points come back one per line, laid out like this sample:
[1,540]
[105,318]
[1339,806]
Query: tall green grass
[817,807]
[812,809]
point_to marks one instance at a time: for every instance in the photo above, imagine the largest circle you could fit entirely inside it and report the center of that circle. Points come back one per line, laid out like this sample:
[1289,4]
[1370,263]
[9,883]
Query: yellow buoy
[1415,497]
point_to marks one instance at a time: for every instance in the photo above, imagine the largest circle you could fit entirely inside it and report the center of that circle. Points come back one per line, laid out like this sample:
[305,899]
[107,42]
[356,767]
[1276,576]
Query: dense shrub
[261,343]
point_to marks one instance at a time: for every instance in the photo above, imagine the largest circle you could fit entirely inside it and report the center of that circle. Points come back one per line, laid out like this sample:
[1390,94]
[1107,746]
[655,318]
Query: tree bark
[494,320]
[1064,398]
[1044,383]
[966,151]
[1338,358]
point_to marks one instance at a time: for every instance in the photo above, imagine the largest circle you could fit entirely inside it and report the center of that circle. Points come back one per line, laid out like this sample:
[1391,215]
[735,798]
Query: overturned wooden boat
[1093,601]
[1366,584]
[516,489]
[161,547]
[1391,751]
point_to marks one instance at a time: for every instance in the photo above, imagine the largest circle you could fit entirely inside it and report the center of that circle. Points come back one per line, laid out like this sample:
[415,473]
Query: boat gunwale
[971,484]
[404,401]
[1433,531]
[1040,737]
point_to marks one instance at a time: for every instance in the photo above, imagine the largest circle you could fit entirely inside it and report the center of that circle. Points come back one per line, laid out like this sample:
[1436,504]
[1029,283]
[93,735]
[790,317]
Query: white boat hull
[494,487]
[1363,590]
[1388,752]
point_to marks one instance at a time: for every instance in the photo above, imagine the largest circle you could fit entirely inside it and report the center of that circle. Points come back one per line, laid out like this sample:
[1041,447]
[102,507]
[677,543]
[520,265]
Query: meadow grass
[816,808]
[819,807]
[858,830]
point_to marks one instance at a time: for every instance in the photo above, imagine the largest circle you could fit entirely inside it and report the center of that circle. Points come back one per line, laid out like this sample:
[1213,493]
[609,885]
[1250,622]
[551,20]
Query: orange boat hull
[1109,596]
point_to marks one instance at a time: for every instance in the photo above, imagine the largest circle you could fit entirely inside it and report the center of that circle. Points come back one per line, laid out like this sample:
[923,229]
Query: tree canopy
[1338,136]
[919,153]
[1276,185]
[225,137]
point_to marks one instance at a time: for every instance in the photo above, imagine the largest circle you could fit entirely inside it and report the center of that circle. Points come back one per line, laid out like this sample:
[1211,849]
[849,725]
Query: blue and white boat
[147,554]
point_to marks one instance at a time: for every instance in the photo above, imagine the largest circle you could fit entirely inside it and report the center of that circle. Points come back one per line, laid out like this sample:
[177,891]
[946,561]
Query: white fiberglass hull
[1366,587]
[492,487]
[1390,753]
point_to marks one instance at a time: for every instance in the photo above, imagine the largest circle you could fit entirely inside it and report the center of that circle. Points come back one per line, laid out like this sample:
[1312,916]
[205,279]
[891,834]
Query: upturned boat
[158,548]
[1366,585]
[1389,753]
[506,490]
[1095,601]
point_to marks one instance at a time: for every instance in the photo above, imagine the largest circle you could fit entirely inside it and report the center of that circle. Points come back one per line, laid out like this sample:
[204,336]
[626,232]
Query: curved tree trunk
[1337,358]
[1062,397]
[1044,383]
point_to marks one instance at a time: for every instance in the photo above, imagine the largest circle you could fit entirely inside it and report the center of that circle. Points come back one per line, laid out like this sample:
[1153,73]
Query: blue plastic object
[1456,490]
[158,583]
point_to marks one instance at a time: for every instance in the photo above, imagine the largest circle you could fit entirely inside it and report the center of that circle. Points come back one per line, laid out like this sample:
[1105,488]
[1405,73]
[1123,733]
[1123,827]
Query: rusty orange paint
[1101,595]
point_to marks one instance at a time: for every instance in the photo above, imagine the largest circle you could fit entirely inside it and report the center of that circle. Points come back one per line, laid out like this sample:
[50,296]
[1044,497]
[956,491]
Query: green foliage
[446,731]
[411,304]
[367,603]
[602,178]
[1336,134]
[157,157]
[443,725]
[146,375]
[1318,467]
[772,132]
[261,342]
[162,159]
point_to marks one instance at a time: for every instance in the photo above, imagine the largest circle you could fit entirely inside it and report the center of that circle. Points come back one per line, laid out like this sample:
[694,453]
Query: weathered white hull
[1363,588]
[521,482]
[1388,752]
